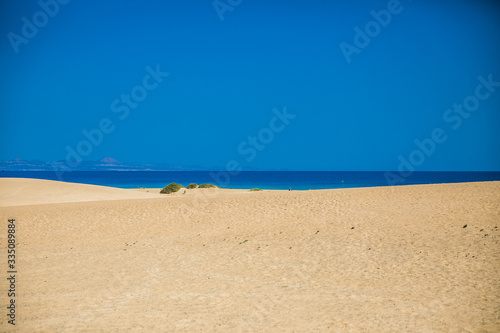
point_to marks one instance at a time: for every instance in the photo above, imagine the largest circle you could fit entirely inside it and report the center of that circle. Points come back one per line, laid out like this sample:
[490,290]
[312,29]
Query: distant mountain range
[105,164]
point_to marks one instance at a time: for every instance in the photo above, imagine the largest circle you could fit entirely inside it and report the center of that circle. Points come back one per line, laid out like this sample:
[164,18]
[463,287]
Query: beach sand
[386,259]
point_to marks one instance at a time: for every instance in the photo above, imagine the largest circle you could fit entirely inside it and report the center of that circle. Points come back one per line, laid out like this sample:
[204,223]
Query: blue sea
[279,180]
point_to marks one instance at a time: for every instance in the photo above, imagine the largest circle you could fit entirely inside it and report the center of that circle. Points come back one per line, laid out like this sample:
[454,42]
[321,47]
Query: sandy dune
[23,191]
[392,259]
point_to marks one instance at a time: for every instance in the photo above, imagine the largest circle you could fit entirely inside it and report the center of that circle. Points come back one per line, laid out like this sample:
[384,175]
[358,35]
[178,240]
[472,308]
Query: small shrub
[255,189]
[171,188]
[208,186]
[192,185]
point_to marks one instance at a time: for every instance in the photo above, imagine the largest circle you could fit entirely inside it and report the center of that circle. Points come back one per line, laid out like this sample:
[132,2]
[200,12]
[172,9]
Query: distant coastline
[278,180]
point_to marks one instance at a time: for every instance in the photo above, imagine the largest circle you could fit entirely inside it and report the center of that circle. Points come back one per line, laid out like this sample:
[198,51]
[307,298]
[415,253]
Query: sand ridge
[352,260]
[25,191]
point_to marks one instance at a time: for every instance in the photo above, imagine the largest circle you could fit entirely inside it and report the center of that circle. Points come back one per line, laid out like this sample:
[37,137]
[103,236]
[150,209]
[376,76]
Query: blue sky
[225,78]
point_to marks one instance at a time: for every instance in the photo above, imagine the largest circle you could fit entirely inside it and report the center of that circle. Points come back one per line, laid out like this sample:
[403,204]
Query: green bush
[171,188]
[192,185]
[208,186]
[256,189]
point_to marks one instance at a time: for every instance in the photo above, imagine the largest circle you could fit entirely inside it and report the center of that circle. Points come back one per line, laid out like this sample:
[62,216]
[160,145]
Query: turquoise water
[297,180]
